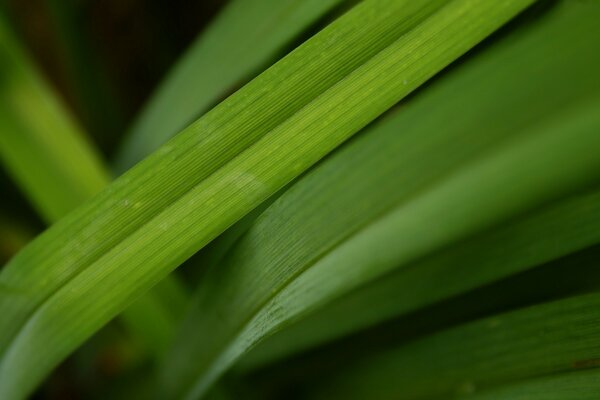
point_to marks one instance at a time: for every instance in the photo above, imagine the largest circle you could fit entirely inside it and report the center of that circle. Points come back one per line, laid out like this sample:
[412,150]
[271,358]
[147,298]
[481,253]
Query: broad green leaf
[552,338]
[424,179]
[90,265]
[48,156]
[244,37]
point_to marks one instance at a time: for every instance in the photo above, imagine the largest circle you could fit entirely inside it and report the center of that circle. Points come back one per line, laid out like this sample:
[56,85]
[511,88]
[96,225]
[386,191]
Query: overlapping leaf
[244,37]
[425,179]
[49,157]
[94,262]
[549,233]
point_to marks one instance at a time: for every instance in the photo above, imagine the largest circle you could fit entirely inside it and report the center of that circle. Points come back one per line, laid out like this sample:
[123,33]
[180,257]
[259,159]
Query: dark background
[128,46]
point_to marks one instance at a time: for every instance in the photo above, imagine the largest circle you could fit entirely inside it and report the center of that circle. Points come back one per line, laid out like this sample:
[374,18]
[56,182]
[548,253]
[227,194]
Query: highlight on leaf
[370,199]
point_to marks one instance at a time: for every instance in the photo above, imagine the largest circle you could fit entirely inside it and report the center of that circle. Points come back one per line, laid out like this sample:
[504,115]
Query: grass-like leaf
[519,245]
[416,176]
[557,337]
[49,157]
[244,37]
[258,300]
[59,170]
[580,385]
[93,263]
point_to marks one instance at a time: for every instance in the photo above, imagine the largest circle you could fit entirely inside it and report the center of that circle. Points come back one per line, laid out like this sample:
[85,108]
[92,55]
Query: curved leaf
[259,287]
[48,155]
[258,301]
[531,240]
[94,262]
[437,135]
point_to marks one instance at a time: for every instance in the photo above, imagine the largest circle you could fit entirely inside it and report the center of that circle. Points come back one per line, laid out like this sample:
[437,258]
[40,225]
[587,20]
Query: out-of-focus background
[127,45]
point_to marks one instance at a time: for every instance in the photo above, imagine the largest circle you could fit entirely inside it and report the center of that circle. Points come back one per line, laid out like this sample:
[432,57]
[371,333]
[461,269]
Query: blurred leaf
[48,155]
[58,171]
[90,265]
[580,385]
[561,336]
[243,38]
[500,89]
[260,292]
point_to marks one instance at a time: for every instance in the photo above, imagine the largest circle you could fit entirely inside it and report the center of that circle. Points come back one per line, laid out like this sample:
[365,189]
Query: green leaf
[242,39]
[523,243]
[424,179]
[90,265]
[518,245]
[580,385]
[58,171]
[571,275]
[49,157]
[556,337]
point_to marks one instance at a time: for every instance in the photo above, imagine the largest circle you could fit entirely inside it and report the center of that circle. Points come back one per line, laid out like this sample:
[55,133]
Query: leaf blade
[283,245]
[232,48]
[148,221]
[555,337]
[49,156]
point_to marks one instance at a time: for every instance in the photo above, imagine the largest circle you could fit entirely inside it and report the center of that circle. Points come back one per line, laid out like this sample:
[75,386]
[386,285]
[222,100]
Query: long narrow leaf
[556,337]
[244,37]
[254,311]
[58,171]
[427,171]
[519,245]
[580,385]
[93,263]
[47,154]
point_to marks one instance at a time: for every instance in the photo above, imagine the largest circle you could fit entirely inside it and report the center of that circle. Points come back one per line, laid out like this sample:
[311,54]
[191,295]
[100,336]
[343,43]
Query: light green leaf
[49,157]
[90,265]
[242,39]
[57,170]
[260,287]
[556,337]
[405,154]
[258,301]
